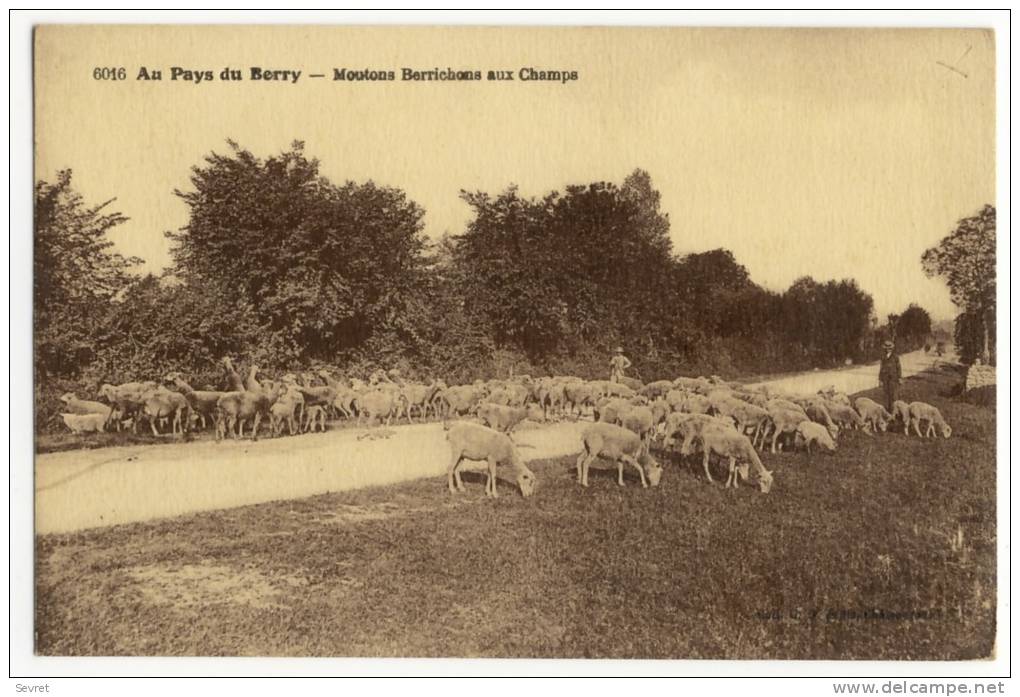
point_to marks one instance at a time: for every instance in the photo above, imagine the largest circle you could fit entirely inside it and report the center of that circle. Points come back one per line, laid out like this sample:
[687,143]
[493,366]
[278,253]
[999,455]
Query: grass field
[851,556]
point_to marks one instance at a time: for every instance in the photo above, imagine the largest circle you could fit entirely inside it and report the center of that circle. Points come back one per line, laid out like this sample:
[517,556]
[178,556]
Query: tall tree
[75,274]
[914,325]
[966,260]
[325,265]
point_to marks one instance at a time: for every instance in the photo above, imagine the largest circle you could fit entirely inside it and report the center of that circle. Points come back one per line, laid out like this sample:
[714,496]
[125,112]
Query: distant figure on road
[618,364]
[889,374]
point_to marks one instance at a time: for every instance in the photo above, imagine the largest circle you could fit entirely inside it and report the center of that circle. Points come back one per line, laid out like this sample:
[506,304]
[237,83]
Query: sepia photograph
[530,342]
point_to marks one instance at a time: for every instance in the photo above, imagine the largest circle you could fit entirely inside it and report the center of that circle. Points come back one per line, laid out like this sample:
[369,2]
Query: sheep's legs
[637,465]
[916,423]
[708,455]
[492,478]
[452,475]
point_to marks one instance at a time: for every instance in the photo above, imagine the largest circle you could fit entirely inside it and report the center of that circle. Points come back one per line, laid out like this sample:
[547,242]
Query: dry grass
[890,525]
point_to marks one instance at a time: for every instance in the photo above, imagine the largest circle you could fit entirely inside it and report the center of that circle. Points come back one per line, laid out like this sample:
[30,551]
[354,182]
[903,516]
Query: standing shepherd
[889,374]
[617,364]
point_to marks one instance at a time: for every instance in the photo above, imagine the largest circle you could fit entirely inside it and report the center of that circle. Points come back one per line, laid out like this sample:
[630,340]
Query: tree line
[281,267]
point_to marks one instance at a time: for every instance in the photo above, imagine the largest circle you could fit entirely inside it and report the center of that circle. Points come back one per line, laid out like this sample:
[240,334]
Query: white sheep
[873,413]
[84,406]
[500,417]
[809,432]
[85,423]
[620,445]
[921,411]
[476,442]
[726,442]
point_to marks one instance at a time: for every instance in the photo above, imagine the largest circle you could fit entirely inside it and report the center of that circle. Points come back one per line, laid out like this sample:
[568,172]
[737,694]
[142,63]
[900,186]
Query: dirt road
[91,488]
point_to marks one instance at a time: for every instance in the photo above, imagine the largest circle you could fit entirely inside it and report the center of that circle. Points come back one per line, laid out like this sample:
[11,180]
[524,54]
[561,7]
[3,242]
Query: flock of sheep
[726,419]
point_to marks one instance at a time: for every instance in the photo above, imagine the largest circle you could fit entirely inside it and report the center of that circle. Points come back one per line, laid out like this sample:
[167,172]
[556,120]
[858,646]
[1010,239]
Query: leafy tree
[76,275]
[966,260]
[325,266]
[914,326]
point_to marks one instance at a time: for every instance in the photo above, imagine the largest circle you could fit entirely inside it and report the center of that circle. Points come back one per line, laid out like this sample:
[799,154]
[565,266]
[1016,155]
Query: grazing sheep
[476,442]
[500,417]
[901,411]
[809,432]
[620,445]
[921,411]
[726,442]
[845,417]
[818,412]
[784,420]
[690,426]
[873,413]
[84,406]
[85,423]
[749,416]
[417,396]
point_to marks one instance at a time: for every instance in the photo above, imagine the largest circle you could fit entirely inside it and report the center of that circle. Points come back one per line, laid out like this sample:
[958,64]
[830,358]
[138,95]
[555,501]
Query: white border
[21,443]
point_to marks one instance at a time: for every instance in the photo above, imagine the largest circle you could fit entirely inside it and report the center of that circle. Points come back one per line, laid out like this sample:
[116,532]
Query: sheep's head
[833,430]
[65,398]
[765,481]
[883,425]
[652,468]
[107,391]
[947,430]
[525,480]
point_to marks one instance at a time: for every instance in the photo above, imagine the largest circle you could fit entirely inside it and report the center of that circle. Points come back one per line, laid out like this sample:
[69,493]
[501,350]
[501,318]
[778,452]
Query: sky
[832,153]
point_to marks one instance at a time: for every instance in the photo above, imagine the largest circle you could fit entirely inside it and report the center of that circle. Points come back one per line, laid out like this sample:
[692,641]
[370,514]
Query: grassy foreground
[885,550]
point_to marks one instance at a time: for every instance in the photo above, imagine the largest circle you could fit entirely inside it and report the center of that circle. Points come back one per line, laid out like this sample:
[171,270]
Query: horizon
[825,153]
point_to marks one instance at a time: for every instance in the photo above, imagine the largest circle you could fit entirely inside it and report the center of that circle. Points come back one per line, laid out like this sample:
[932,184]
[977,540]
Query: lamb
[85,407]
[902,412]
[620,445]
[737,447]
[315,418]
[809,432]
[85,423]
[500,417]
[476,442]
[873,413]
[921,411]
